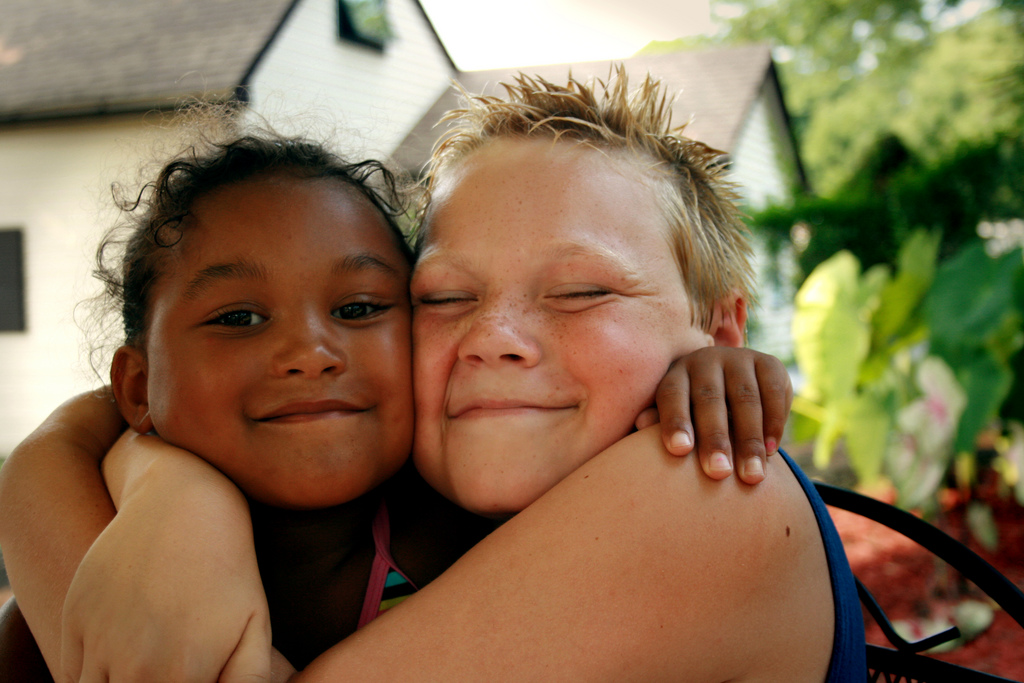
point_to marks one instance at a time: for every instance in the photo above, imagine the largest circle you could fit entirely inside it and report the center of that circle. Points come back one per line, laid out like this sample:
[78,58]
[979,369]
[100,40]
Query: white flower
[923,447]
[933,418]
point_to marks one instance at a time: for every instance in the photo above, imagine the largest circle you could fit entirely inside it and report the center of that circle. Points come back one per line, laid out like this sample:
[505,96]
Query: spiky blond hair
[709,237]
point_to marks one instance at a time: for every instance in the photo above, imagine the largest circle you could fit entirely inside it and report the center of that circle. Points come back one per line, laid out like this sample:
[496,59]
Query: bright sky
[491,34]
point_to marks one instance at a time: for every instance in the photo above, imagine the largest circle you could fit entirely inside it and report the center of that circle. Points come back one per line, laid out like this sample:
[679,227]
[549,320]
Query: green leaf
[869,421]
[986,382]
[901,298]
[972,295]
[828,435]
[983,525]
[973,617]
[830,334]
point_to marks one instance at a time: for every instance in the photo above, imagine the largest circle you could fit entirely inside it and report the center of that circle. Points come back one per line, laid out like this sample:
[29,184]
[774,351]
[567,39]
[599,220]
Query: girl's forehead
[287,212]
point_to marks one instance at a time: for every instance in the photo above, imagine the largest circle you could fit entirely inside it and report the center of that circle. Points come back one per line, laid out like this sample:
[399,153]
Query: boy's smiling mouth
[501,408]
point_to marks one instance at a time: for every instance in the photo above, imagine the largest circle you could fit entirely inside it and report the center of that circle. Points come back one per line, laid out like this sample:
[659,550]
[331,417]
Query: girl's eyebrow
[235,270]
[363,261]
[247,269]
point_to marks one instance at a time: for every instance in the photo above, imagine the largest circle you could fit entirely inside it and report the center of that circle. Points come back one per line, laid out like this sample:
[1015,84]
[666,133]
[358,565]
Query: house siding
[763,164]
[54,180]
[312,76]
[765,168]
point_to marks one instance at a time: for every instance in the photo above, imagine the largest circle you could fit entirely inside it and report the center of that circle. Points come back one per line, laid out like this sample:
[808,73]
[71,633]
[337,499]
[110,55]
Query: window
[12,282]
[364,21]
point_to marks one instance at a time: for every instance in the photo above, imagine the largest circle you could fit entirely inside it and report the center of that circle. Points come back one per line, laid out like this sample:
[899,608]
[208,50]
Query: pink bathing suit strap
[382,564]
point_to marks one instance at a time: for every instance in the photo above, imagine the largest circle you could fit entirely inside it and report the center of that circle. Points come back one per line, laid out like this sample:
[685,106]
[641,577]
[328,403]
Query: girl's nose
[500,337]
[312,347]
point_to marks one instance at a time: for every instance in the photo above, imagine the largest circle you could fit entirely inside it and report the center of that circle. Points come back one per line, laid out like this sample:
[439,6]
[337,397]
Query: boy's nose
[497,336]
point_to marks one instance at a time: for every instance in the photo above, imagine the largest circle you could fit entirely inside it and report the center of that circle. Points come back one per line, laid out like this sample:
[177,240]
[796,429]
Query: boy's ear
[729,320]
[129,378]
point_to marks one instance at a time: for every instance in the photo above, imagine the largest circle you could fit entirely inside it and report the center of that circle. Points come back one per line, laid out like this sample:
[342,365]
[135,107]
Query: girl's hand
[740,401]
[170,590]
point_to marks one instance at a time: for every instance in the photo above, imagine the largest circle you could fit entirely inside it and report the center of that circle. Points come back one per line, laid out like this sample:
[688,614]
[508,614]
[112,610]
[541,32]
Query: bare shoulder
[636,567]
[752,556]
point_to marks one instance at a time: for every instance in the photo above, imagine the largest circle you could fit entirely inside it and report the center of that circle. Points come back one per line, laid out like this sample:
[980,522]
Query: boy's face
[548,306]
[278,343]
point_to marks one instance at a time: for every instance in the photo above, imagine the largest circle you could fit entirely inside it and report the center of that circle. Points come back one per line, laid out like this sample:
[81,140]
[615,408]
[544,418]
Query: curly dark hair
[129,256]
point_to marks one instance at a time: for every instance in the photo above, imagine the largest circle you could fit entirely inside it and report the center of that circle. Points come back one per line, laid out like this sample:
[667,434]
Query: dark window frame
[12,280]
[348,28]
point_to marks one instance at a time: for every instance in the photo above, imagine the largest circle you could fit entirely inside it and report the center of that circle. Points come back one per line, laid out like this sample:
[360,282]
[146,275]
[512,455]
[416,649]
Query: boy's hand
[739,399]
[170,590]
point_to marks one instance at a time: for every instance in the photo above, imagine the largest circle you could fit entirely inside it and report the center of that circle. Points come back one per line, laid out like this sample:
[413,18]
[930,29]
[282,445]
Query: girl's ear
[729,320]
[129,378]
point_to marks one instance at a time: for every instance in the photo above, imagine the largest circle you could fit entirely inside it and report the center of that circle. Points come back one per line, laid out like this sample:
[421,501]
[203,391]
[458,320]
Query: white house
[83,84]
[729,98]
[80,84]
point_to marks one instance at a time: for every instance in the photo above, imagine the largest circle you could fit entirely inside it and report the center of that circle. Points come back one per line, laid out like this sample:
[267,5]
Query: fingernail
[720,463]
[771,446]
[680,441]
[753,468]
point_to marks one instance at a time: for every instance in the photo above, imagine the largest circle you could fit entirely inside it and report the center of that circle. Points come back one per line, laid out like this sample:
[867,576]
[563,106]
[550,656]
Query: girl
[264,296]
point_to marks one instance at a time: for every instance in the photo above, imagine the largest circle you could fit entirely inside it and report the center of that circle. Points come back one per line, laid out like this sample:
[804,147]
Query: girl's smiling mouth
[304,411]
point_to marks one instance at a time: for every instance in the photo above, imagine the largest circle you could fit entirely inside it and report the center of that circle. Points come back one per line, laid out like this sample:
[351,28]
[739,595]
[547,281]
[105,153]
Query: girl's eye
[239,318]
[358,310]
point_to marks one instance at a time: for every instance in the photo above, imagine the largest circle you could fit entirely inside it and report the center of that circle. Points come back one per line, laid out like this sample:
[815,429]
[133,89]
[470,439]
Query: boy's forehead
[506,167]
[545,191]
[522,167]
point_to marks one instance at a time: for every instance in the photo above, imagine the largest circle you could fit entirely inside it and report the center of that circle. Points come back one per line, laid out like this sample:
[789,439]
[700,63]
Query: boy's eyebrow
[235,270]
[587,250]
[558,252]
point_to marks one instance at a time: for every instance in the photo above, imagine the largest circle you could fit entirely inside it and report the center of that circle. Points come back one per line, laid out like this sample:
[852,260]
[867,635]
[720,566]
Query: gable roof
[77,57]
[717,89]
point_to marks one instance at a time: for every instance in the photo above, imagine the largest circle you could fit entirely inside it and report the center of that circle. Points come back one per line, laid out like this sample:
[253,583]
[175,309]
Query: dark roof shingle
[68,57]
[717,88]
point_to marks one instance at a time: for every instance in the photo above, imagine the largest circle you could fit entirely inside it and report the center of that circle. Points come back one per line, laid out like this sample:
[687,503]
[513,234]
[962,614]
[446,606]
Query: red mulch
[902,577]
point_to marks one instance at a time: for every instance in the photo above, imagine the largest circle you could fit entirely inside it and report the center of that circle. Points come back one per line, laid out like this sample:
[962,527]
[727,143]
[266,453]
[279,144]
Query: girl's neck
[313,535]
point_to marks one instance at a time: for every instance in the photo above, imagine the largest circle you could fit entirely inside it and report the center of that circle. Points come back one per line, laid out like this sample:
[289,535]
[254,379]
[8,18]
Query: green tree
[858,71]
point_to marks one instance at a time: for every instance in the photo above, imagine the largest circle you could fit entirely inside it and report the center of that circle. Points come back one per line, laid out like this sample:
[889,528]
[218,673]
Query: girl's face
[278,341]
[548,306]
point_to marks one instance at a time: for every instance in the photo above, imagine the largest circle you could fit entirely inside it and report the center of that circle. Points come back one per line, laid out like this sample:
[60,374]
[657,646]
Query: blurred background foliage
[909,317]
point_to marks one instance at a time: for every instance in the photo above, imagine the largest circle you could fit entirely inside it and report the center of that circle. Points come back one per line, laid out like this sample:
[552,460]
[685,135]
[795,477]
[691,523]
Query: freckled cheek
[622,362]
[435,350]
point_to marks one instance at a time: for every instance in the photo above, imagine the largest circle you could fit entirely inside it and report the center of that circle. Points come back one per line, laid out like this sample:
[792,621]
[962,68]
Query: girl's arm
[636,567]
[170,590]
[53,504]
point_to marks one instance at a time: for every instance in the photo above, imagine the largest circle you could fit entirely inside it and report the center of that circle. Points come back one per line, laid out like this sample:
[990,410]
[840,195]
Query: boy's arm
[170,589]
[737,402]
[53,504]
[598,581]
